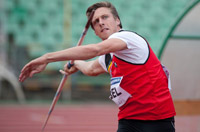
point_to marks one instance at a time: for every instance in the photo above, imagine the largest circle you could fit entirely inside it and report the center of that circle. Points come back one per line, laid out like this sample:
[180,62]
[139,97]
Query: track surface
[73,118]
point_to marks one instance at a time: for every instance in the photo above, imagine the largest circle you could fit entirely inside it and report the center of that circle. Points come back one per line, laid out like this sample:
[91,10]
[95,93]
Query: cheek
[96,31]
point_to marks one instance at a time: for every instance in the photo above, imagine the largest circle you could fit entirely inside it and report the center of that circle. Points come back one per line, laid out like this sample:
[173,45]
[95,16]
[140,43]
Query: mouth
[104,29]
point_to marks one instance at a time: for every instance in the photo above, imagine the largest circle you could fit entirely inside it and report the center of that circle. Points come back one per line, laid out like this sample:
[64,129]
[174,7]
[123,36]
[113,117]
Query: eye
[105,17]
[95,21]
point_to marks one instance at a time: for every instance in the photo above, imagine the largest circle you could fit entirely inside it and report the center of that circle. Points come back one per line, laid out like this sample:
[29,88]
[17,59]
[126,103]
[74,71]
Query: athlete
[139,83]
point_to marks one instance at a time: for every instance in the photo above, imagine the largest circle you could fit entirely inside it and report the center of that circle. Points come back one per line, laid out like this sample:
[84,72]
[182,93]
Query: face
[104,23]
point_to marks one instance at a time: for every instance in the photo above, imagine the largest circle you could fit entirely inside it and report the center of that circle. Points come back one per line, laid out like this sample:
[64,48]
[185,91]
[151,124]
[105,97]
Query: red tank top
[147,96]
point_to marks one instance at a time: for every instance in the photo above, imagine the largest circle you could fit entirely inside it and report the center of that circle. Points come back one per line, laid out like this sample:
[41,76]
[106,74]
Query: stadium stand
[42,26]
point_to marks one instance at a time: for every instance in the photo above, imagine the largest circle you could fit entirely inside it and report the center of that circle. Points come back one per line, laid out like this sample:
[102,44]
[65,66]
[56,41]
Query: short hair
[103,4]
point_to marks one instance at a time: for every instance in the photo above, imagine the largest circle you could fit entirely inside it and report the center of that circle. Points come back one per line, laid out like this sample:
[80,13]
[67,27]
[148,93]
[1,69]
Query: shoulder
[132,39]
[138,49]
[126,33]
[129,37]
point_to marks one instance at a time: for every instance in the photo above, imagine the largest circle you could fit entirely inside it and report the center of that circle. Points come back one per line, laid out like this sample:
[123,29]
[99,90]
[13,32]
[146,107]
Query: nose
[101,22]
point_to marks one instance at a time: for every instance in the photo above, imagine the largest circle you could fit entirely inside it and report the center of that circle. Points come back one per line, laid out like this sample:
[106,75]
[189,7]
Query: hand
[33,67]
[68,71]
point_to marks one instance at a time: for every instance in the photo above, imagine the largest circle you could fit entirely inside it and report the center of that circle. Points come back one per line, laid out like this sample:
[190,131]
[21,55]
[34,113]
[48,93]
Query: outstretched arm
[75,53]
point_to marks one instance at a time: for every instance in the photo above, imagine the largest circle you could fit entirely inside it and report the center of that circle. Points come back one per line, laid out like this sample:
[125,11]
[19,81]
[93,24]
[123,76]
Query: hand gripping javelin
[70,64]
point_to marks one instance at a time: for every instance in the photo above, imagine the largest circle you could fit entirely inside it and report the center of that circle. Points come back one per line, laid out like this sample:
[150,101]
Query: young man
[139,85]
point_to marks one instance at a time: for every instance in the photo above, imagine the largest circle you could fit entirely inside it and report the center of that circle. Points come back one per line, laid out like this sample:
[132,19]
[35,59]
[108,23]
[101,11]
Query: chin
[104,37]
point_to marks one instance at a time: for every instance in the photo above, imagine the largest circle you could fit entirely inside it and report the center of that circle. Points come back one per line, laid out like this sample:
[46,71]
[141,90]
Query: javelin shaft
[64,78]
[56,97]
[84,33]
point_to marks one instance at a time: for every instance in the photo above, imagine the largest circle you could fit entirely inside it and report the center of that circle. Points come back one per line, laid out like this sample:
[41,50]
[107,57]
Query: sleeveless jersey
[140,89]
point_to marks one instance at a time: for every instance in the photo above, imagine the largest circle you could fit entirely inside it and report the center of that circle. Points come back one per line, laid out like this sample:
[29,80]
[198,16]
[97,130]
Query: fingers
[29,70]
[24,73]
[66,67]
[33,67]
[69,65]
[25,68]
[63,72]
[23,76]
[68,71]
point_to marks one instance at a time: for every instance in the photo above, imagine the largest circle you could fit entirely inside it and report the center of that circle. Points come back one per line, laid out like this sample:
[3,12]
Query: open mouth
[104,29]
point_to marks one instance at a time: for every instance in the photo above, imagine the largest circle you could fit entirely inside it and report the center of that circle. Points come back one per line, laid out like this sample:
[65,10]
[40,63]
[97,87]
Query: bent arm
[90,68]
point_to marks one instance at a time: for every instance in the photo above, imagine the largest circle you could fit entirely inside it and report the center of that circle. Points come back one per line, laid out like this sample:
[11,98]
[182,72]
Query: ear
[118,21]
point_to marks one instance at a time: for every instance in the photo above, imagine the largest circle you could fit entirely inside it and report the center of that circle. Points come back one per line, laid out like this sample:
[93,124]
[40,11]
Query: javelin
[64,78]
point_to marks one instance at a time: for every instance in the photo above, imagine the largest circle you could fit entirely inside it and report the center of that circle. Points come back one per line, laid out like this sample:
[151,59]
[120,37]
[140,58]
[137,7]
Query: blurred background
[31,28]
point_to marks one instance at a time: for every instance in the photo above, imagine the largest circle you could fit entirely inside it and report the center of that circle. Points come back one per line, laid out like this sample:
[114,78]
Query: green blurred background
[31,28]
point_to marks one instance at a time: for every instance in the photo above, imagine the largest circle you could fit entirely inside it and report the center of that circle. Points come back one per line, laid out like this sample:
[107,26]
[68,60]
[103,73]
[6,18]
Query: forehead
[101,11]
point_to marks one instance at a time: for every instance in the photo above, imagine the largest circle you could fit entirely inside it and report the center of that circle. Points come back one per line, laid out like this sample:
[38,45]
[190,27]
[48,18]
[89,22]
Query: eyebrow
[100,17]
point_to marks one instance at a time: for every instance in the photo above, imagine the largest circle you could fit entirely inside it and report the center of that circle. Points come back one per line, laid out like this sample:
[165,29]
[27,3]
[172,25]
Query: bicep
[90,68]
[95,68]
